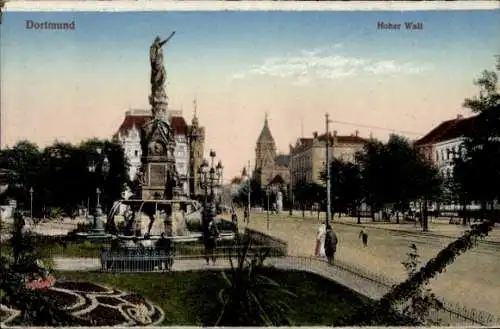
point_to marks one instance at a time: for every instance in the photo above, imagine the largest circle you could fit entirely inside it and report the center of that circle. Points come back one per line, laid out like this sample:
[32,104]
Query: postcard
[249,164]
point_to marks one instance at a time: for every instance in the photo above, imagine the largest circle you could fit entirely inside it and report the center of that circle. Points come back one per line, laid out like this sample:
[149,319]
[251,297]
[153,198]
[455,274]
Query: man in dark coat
[330,244]
[211,241]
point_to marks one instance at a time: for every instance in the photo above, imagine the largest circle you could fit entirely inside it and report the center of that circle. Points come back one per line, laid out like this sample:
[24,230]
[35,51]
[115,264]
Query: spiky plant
[250,297]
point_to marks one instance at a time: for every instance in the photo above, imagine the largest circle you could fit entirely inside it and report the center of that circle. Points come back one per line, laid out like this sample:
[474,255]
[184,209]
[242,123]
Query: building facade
[307,157]
[128,135]
[269,164]
[445,142]
[441,146]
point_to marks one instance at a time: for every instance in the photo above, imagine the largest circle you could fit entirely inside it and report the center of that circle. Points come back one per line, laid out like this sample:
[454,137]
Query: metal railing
[448,314]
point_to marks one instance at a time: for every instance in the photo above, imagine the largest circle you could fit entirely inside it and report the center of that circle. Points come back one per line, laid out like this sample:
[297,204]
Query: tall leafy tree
[60,177]
[479,145]
[352,187]
[256,193]
[23,164]
[477,172]
[372,165]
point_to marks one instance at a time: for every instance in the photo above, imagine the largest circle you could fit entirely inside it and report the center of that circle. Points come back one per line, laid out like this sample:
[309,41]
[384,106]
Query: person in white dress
[320,241]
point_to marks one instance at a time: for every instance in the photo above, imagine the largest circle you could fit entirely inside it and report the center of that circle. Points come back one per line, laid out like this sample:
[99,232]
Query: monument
[158,175]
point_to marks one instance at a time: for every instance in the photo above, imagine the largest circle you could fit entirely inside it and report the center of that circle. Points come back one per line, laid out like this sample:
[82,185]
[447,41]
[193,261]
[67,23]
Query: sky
[70,85]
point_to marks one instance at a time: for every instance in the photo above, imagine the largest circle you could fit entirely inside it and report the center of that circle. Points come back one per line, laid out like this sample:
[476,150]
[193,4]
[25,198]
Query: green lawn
[190,298]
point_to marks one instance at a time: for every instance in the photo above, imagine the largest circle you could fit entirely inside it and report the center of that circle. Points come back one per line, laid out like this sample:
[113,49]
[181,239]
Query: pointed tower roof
[194,122]
[265,134]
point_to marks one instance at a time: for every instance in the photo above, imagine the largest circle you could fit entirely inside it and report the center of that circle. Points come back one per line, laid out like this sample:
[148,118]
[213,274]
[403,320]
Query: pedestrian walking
[319,250]
[234,220]
[330,244]
[246,215]
[364,237]
[211,242]
[165,245]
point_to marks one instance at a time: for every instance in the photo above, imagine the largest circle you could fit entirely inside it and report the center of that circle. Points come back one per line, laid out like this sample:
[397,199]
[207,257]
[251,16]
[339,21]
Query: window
[136,153]
[437,156]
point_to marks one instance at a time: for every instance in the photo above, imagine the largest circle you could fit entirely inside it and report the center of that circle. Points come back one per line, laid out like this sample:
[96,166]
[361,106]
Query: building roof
[236,181]
[282,160]
[132,119]
[265,134]
[179,125]
[344,139]
[307,143]
[450,129]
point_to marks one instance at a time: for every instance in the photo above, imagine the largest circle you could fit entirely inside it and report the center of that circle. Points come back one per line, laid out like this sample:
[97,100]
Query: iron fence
[265,239]
[448,314]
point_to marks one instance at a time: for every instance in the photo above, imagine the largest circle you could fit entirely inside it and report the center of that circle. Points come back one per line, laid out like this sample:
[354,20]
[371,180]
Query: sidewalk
[475,271]
[363,286]
[439,228]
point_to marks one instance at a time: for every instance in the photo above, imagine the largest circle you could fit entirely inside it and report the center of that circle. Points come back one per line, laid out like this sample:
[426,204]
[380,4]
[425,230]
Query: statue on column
[158,72]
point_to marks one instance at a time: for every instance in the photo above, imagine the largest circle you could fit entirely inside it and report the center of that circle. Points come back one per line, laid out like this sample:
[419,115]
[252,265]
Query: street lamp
[31,203]
[210,177]
[268,191]
[102,167]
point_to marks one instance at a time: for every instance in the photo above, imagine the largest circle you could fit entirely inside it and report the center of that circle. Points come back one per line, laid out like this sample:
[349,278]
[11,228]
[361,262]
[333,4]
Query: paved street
[476,271]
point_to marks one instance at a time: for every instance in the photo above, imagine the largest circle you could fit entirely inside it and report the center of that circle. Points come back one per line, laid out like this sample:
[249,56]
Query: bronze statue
[158,72]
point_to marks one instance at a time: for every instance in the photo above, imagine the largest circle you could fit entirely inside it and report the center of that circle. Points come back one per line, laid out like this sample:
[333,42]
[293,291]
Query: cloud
[322,63]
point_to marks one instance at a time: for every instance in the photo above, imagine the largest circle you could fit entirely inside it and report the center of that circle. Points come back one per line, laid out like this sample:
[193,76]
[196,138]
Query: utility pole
[327,161]
[249,190]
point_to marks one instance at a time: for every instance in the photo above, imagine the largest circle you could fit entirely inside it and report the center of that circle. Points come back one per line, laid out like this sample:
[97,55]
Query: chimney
[357,133]
[335,133]
[315,135]
[460,117]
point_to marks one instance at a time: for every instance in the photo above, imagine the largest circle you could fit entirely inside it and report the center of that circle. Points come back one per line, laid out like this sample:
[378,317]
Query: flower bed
[96,304]
[42,283]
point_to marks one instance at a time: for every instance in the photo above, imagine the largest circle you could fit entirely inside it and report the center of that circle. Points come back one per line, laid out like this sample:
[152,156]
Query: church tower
[197,144]
[265,154]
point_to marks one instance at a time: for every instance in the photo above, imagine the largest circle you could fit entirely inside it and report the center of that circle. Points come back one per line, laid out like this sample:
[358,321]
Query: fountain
[158,204]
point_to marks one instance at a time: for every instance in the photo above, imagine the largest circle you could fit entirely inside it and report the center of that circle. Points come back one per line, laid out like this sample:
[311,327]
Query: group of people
[326,242]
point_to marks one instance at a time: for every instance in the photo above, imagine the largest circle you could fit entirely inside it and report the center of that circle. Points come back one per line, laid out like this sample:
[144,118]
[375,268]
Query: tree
[17,266]
[59,174]
[396,173]
[256,194]
[477,171]
[371,163]
[352,187]
[483,142]
[422,300]
[23,163]
[300,191]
